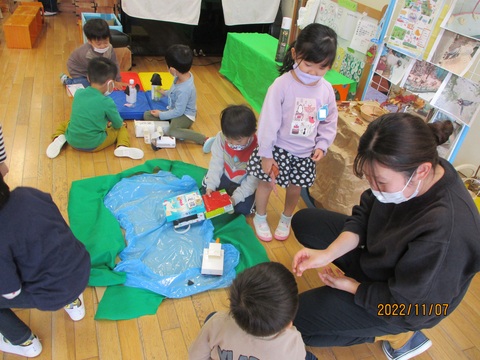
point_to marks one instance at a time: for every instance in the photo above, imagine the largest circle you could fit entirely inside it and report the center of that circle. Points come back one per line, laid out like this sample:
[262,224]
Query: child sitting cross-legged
[182,96]
[95,122]
[231,149]
[263,304]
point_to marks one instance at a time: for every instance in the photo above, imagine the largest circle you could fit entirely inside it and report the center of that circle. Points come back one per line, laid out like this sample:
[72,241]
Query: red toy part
[217,203]
[127,75]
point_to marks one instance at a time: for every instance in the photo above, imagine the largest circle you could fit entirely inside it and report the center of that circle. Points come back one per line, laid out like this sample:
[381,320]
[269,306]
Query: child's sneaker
[76,309]
[207,145]
[132,153]
[55,146]
[30,348]
[283,229]
[63,78]
[261,227]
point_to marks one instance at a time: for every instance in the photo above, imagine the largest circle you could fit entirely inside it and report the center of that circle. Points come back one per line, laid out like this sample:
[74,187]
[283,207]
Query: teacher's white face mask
[398,196]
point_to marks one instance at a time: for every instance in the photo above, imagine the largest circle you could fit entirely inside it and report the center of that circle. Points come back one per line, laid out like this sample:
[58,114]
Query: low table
[249,63]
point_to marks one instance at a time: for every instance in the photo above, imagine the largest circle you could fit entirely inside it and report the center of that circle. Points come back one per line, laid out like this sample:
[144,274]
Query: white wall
[469,152]
[287,7]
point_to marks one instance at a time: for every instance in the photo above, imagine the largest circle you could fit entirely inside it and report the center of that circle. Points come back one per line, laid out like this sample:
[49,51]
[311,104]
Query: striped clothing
[3,154]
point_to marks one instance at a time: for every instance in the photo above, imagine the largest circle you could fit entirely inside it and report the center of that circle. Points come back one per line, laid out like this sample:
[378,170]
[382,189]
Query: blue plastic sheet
[157,257]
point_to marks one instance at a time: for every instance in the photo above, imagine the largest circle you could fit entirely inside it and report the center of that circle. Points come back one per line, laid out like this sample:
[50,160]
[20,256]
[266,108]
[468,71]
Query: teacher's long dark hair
[401,142]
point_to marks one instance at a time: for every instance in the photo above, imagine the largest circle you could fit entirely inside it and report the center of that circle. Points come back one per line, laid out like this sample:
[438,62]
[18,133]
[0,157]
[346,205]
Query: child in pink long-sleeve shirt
[298,123]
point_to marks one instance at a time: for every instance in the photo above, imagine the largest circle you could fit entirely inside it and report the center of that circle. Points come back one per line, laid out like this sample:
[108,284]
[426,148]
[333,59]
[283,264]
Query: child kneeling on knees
[263,304]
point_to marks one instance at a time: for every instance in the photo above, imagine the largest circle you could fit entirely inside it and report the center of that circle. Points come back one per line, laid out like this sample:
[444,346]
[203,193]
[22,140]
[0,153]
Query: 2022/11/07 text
[412,309]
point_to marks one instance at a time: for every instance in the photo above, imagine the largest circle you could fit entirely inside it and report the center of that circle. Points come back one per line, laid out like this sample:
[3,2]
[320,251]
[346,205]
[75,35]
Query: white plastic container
[132,98]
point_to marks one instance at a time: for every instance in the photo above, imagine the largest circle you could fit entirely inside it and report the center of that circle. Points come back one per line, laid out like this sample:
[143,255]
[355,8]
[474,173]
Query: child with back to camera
[231,150]
[263,303]
[95,122]
[298,123]
[182,96]
[43,266]
[98,44]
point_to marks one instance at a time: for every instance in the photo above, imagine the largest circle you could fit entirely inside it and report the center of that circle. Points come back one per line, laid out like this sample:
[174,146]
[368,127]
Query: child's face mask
[100,46]
[239,144]
[110,87]
[101,51]
[306,77]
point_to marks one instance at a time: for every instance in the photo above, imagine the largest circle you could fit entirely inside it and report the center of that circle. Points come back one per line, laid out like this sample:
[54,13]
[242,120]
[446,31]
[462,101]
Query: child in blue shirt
[182,96]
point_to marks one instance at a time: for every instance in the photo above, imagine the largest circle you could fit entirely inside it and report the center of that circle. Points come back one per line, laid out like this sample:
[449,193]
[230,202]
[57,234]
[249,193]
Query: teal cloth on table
[249,63]
[95,226]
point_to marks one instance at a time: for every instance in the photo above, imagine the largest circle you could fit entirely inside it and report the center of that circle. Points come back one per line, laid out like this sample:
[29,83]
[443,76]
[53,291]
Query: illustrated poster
[424,79]
[454,52]
[464,18]
[458,97]
[414,25]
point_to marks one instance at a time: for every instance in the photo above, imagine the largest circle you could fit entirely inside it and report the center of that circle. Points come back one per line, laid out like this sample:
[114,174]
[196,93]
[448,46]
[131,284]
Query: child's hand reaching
[208,192]
[317,155]
[337,280]
[155,113]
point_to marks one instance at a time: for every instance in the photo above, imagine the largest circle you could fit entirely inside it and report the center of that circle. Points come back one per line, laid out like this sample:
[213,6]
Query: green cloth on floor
[124,302]
[95,226]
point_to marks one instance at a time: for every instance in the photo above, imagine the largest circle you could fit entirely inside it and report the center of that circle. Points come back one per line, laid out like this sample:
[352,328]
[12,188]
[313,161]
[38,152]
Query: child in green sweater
[95,122]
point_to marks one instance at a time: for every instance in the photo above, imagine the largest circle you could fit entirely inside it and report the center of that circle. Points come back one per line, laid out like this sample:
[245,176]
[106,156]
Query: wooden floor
[33,102]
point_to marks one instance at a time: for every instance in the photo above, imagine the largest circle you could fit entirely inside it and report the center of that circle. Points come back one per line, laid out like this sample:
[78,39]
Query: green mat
[95,226]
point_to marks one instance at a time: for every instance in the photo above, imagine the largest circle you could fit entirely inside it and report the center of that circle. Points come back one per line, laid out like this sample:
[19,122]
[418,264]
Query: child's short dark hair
[96,29]
[238,121]
[101,69]
[264,299]
[179,57]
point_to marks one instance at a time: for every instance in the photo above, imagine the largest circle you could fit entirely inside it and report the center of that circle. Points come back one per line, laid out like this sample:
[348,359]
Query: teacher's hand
[337,280]
[309,259]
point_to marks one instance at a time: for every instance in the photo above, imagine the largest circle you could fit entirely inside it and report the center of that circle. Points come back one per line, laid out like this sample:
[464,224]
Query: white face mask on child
[111,84]
[101,51]
[305,78]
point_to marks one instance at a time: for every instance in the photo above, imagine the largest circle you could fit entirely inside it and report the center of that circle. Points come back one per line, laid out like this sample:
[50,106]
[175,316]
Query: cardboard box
[142,126]
[151,126]
[164,142]
[184,209]
[213,259]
